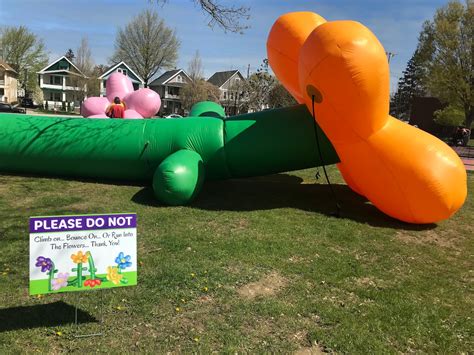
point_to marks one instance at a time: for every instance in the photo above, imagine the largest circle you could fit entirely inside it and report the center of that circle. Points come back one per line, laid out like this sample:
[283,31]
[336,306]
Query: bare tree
[229,18]
[83,58]
[195,68]
[147,45]
[198,89]
[87,85]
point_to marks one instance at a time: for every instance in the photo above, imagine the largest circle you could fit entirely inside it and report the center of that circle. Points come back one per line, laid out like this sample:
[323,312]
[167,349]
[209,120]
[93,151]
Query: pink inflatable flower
[143,103]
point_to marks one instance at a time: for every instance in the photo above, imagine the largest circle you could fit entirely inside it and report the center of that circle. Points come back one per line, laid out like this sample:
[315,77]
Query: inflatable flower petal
[141,103]
[144,101]
[131,114]
[118,85]
[94,106]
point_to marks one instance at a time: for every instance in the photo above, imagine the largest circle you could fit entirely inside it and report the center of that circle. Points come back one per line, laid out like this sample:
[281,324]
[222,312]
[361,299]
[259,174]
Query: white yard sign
[79,253]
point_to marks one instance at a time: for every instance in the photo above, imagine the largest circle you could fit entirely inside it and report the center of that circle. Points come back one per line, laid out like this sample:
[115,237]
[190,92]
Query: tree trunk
[469,117]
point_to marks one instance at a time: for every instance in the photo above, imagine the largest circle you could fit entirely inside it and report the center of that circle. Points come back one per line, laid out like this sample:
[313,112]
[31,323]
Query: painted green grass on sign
[254,265]
[41,286]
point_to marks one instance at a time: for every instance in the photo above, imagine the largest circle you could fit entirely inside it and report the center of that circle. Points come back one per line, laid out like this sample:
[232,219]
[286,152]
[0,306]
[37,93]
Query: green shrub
[449,116]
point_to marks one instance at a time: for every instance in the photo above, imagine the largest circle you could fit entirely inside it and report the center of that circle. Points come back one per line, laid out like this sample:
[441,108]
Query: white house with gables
[123,68]
[230,84]
[59,83]
[8,83]
[169,85]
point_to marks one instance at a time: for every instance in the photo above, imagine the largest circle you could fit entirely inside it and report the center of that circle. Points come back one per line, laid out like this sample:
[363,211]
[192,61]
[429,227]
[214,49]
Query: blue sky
[62,24]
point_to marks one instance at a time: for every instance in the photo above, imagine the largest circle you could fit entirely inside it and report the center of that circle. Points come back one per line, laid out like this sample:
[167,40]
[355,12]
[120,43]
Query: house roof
[7,67]
[42,71]
[167,76]
[221,77]
[115,66]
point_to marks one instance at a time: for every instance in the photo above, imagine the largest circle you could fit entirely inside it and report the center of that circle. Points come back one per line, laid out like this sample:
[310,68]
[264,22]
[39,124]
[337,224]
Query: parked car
[174,115]
[26,102]
[11,109]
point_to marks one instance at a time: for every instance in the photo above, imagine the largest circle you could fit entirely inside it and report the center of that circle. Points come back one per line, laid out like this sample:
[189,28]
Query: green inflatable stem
[152,150]
[179,178]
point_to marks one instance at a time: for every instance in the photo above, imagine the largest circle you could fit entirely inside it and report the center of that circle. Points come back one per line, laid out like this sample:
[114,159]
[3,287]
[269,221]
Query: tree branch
[228,18]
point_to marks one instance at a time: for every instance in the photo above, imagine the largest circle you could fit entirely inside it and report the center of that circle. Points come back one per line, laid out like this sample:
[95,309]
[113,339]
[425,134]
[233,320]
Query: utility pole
[248,71]
[390,55]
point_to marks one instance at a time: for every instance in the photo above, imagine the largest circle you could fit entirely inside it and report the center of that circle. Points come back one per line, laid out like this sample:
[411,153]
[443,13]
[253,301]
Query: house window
[225,95]
[2,91]
[124,71]
[55,80]
[231,95]
[54,96]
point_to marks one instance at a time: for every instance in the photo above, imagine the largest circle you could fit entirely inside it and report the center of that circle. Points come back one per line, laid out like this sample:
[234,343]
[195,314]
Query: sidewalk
[34,113]
[467,156]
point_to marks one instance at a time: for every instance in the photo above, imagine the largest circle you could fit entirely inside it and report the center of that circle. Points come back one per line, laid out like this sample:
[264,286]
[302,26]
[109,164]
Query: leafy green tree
[280,97]
[147,45]
[451,67]
[265,91]
[259,86]
[449,116]
[25,52]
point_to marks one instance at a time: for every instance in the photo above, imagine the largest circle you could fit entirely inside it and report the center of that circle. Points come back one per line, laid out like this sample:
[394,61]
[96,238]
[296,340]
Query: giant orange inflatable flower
[340,71]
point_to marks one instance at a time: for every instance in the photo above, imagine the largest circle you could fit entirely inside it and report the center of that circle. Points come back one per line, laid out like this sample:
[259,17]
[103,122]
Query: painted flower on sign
[80,257]
[113,275]
[60,281]
[92,283]
[44,263]
[123,261]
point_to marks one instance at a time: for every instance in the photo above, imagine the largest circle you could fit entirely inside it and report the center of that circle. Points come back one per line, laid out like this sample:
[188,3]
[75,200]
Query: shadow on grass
[285,191]
[94,180]
[41,315]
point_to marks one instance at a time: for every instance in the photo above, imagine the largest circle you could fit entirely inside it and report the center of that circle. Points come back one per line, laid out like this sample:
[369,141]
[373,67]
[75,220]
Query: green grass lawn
[254,265]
